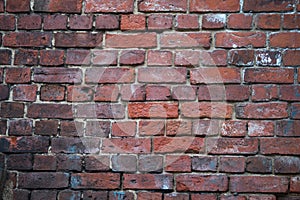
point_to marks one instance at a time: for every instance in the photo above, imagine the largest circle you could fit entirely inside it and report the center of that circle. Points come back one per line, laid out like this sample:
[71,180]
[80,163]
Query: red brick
[160,22]
[68,194]
[97,128]
[203,196]
[153,110]
[12,110]
[133,92]
[295,184]
[27,39]
[268,58]
[151,128]
[187,22]
[72,145]
[107,22]
[7,23]
[81,22]
[261,110]
[121,194]
[291,58]
[176,196]
[215,75]
[19,162]
[261,128]
[150,163]
[185,40]
[162,6]
[90,194]
[159,58]
[24,144]
[269,75]
[262,197]
[267,6]
[4,92]
[154,93]
[148,181]
[285,40]
[123,129]
[287,165]
[132,57]
[198,182]
[69,163]
[213,58]
[149,196]
[65,6]
[232,164]
[26,57]
[105,57]
[71,128]
[264,92]
[5,57]
[91,181]
[3,127]
[126,145]
[18,194]
[240,39]
[232,197]
[101,110]
[18,5]
[57,75]
[43,194]
[62,111]
[106,93]
[291,21]
[18,75]
[133,22]
[268,21]
[259,164]
[187,58]
[20,127]
[288,146]
[78,57]
[46,127]
[78,40]
[241,57]
[79,93]
[227,92]
[1,5]
[232,145]
[184,93]
[97,163]
[178,127]
[1,74]
[295,111]
[262,184]
[30,22]
[52,93]
[174,163]
[178,144]
[137,40]
[287,128]
[52,57]
[162,75]
[106,6]
[234,128]
[213,21]
[109,75]
[240,21]
[214,6]
[206,109]
[204,163]
[55,22]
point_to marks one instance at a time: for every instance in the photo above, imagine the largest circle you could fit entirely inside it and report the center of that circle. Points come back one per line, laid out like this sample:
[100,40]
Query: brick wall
[150,99]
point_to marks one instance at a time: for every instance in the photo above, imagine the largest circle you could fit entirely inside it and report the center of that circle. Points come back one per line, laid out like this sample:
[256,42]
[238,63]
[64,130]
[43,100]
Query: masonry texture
[149,99]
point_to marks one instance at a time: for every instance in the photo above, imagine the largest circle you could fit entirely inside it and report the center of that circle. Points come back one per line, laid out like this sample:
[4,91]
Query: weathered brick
[79,93]
[124,163]
[151,128]
[262,197]
[268,21]
[52,57]
[187,22]
[285,40]
[221,93]
[55,22]
[78,39]
[69,163]
[288,146]
[133,22]
[138,40]
[19,194]
[291,21]
[162,75]
[20,127]
[159,58]
[66,6]
[160,22]
[178,127]
[97,163]
[232,164]
[106,6]
[149,195]
[174,163]
[232,197]
[153,110]
[213,58]
[57,75]
[18,75]
[178,196]
[107,22]
[187,58]
[46,127]
[234,128]
[150,163]
[7,23]
[198,182]
[126,145]
[185,40]
[43,194]
[287,165]
[115,195]
[90,194]
[26,57]
[69,194]
[79,22]
[61,111]
[1,5]
[295,184]
[262,184]
[259,164]
[295,111]
[132,57]
[52,93]
[239,21]
[206,109]
[184,93]
[148,181]
[19,162]
[109,75]
[240,39]
[232,145]
[18,6]
[215,6]
[4,92]
[105,57]
[261,128]
[100,110]
[178,144]
[75,145]
[241,57]
[156,93]
[162,6]
[264,92]
[27,39]
[97,128]
[268,58]
[12,110]
[3,127]
[204,163]
[91,181]
[287,128]
[71,128]
[204,196]
[267,6]
[133,92]
[123,129]
[106,93]
[44,163]
[213,21]
[30,22]
[291,58]
[78,57]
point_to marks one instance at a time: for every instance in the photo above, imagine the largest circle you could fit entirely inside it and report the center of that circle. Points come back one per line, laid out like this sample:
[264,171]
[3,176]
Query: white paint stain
[217,18]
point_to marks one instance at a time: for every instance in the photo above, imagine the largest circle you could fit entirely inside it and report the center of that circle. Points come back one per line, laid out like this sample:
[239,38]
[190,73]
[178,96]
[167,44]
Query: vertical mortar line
[135,7]
[241,6]
[188,6]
